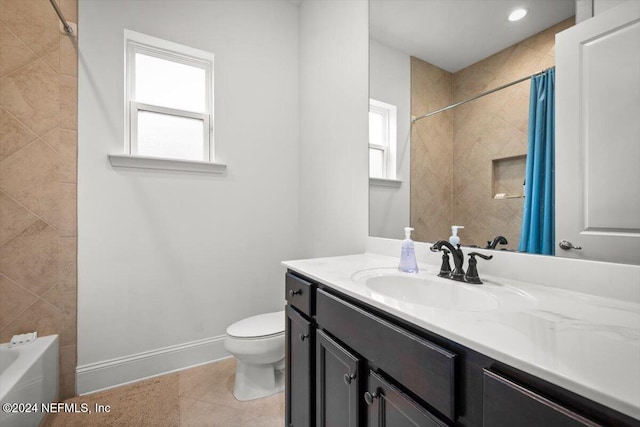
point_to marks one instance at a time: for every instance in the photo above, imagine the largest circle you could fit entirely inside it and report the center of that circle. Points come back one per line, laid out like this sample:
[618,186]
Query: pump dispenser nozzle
[454,239]
[407,232]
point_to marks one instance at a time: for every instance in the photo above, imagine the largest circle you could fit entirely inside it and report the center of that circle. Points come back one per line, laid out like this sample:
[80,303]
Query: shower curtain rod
[65,24]
[477,96]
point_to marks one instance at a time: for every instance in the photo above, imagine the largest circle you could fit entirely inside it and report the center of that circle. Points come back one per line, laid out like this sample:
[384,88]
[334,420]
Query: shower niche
[507,177]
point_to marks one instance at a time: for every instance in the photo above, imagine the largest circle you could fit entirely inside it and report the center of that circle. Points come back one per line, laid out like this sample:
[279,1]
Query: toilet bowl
[258,344]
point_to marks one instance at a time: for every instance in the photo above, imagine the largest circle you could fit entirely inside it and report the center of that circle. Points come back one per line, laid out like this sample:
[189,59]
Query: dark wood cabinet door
[507,404]
[298,358]
[337,384]
[390,407]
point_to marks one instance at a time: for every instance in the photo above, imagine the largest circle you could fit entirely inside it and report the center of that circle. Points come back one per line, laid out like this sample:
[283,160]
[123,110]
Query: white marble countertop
[584,343]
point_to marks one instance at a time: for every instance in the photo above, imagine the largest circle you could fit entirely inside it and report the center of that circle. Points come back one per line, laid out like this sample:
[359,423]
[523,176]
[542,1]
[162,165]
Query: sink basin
[426,289]
[420,290]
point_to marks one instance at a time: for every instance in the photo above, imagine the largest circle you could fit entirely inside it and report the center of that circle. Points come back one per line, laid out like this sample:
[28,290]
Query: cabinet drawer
[423,367]
[299,293]
[398,409]
[506,403]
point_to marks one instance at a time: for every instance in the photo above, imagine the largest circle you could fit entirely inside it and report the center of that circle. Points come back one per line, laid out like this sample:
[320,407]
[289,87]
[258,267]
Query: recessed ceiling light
[518,14]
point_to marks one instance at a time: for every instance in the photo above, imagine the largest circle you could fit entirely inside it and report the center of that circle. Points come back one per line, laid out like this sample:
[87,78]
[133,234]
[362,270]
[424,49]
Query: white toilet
[258,344]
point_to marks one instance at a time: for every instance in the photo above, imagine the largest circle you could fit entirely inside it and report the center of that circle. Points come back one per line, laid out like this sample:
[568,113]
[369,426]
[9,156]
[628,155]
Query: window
[169,99]
[382,140]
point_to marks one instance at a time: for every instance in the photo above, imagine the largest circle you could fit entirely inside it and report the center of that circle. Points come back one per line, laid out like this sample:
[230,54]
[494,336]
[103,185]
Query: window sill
[159,163]
[383,182]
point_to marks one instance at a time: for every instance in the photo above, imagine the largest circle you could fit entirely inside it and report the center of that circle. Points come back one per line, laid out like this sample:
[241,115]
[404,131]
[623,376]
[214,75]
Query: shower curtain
[538,219]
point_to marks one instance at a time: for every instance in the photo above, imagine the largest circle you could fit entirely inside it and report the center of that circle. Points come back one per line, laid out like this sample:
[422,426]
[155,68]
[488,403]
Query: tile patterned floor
[200,396]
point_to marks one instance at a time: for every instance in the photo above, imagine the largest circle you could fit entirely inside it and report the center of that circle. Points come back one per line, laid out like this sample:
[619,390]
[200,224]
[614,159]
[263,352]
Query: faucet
[458,260]
[498,240]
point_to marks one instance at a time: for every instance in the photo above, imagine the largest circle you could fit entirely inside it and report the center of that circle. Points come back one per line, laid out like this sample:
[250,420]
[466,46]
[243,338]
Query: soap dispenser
[454,239]
[408,262]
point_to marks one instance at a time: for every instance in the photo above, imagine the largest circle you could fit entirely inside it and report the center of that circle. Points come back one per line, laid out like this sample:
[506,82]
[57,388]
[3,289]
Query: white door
[598,137]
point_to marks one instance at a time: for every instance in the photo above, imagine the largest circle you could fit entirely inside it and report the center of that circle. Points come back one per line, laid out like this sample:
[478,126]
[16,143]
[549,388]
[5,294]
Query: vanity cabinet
[338,378]
[299,337]
[359,366]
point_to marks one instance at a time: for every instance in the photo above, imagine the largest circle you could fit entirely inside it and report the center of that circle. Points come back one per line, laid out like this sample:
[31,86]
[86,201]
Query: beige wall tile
[15,300]
[65,302]
[516,111]
[13,135]
[68,102]
[69,10]
[63,215]
[522,62]
[32,95]
[431,151]
[67,265]
[32,176]
[13,52]
[38,97]
[33,21]
[31,258]
[41,317]
[65,143]
[13,218]
[68,362]
[67,386]
[68,55]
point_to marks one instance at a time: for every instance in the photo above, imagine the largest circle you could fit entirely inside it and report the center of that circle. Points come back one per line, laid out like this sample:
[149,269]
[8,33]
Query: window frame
[163,49]
[390,135]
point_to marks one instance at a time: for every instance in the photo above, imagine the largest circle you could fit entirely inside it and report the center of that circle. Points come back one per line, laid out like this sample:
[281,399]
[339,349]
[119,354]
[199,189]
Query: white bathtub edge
[34,351]
[123,370]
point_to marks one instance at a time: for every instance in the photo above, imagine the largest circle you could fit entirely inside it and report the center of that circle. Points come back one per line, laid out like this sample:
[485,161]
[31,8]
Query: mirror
[464,166]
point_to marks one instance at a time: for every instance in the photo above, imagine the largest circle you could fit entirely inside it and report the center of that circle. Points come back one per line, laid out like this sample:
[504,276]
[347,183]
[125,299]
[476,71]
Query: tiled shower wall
[492,131]
[431,152]
[488,139]
[38,145]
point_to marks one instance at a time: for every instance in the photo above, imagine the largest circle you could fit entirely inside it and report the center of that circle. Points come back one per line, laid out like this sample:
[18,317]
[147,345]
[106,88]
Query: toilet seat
[258,327]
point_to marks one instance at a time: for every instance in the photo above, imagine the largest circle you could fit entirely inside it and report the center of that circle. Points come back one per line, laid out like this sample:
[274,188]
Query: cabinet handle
[348,378]
[368,397]
[293,293]
[303,337]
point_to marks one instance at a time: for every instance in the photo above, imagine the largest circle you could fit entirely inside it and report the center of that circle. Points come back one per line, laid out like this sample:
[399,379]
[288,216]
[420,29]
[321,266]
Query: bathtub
[28,375]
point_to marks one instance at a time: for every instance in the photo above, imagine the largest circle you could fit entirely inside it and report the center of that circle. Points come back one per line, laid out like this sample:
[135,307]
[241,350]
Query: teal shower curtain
[538,219]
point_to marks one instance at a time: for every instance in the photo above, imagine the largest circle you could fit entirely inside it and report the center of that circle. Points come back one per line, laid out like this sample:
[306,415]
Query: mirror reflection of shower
[467,164]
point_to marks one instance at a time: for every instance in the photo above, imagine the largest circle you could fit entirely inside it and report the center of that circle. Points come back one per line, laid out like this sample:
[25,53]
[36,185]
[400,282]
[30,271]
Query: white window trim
[160,163]
[390,113]
[135,42]
[384,182]
[136,107]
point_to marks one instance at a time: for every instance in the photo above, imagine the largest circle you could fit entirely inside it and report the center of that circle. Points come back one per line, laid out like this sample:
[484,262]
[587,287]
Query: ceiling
[453,34]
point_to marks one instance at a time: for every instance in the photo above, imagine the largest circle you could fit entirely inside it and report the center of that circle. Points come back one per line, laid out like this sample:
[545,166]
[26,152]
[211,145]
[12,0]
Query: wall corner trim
[123,370]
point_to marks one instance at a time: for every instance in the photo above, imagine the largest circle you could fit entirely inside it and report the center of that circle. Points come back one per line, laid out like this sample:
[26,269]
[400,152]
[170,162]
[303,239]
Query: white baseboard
[116,372]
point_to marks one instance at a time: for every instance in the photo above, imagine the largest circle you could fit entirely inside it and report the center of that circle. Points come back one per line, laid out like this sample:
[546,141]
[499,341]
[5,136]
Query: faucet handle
[483,256]
[445,268]
[472,270]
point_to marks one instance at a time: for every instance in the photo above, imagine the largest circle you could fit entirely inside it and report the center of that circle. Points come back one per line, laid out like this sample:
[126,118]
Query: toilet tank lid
[258,326]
